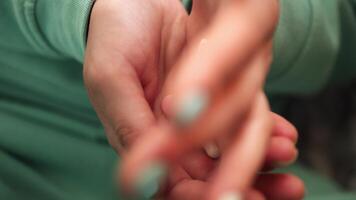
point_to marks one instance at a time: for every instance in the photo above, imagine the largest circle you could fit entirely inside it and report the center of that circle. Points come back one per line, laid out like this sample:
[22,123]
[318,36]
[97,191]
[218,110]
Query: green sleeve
[64,24]
[312,38]
[53,28]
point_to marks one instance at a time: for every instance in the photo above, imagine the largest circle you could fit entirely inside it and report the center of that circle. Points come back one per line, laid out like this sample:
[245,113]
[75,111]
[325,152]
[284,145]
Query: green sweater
[52,146]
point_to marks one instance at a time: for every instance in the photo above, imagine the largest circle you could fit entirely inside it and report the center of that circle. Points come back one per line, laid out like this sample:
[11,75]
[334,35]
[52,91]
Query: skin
[139,52]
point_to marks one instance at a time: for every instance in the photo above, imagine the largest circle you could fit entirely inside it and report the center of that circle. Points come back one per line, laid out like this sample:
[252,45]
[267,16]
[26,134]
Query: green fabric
[52,145]
[188,5]
[313,46]
[319,187]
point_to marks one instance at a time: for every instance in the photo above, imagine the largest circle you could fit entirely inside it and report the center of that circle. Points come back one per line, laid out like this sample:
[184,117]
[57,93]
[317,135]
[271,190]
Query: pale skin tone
[134,62]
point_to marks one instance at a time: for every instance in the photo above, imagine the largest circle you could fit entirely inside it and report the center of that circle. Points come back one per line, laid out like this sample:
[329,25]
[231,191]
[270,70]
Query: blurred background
[327,129]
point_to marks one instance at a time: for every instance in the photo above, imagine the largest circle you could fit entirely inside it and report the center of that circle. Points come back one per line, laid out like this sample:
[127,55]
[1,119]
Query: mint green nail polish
[191,108]
[149,180]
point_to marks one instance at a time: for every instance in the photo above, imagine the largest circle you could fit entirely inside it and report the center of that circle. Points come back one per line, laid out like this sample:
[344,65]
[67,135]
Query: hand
[200,77]
[127,62]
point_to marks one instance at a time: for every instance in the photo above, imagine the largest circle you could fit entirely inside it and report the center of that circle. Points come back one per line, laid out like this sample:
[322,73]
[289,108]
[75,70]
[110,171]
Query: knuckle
[125,136]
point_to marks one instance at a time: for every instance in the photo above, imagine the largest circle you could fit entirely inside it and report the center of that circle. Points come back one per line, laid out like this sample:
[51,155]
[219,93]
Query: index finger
[244,157]
[217,55]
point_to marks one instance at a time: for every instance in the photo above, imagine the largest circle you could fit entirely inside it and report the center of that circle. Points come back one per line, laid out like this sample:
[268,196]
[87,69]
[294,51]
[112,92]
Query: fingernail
[231,196]
[148,182]
[191,108]
[212,150]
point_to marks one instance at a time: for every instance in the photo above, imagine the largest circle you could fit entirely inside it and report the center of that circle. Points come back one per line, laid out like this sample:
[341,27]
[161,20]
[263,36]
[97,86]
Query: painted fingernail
[212,150]
[191,108]
[231,196]
[149,180]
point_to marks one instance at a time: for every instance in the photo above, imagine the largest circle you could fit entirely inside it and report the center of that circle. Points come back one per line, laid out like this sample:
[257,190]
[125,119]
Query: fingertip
[144,182]
[144,167]
[293,187]
[299,188]
[149,180]
[281,152]
[190,108]
[284,128]
[281,186]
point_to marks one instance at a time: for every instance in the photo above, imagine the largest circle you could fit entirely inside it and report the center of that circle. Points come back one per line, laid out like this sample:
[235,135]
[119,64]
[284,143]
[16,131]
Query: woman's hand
[132,46]
[215,88]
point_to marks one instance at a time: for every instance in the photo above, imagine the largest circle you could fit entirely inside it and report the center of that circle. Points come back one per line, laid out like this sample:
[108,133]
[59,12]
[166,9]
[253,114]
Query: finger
[200,17]
[244,157]
[254,195]
[147,163]
[227,108]
[119,100]
[198,163]
[165,143]
[280,187]
[188,189]
[218,56]
[281,152]
[284,128]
